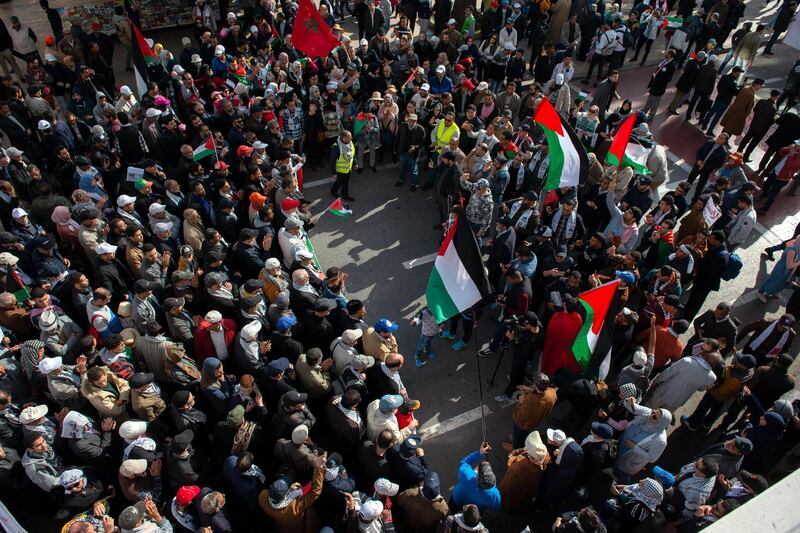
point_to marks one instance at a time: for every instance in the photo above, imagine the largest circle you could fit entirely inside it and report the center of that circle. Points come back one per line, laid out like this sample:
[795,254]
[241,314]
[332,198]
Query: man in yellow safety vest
[444,130]
[341,163]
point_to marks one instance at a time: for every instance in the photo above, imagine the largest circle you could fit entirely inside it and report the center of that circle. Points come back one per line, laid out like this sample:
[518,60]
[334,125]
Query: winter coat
[646,450]
[735,117]
[297,516]
[763,115]
[42,471]
[104,401]
[559,13]
[467,489]
[533,407]
[562,474]
[421,514]
[521,483]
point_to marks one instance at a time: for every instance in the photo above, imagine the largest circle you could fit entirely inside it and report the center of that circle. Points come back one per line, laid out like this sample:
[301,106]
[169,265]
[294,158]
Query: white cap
[230,15]
[440,69]
[124,199]
[163,227]
[49,57]
[559,78]
[482,86]
[517,6]
[177,69]
[18,212]
[152,112]
[272,263]
[219,50]
[300,434]
[8,259]
[13,151]
[196,58]
[125,91]
[303,253]
[131,430]
[351,335]
[48,320]
[33,413]
[557,436]
[186,41]
[213,316]
[105,248]
[156,208]
[425,87]
[451,21]
[250,331]
[639,357]
[363,42]
[133,467]
[258,145]
[44,125]
[508,46]
[48,364]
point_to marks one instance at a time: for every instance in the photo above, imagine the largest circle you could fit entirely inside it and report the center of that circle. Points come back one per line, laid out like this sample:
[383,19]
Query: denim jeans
[713,115]
[423,345]
[408,164]
[499,334]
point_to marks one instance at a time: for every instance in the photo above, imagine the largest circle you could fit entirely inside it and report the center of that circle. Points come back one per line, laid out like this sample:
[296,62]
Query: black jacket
[660,78]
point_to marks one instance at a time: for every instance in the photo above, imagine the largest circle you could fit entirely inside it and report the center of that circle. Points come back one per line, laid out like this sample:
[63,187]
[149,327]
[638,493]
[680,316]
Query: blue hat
[384,325]
[409,447]
[389,402]
[604,431]
[430,487]
[278,489]
[286,322]
[211,364]
[277,366]
[626,276]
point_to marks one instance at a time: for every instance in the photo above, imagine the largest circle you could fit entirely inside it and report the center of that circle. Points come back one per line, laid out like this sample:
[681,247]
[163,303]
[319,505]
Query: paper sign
[134,174]
[711,212]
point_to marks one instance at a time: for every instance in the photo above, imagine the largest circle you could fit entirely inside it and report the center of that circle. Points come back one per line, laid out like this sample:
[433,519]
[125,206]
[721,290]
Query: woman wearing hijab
[643,441]
[216,387]
[87,443]
[764,433]
[66,227]
[781,272]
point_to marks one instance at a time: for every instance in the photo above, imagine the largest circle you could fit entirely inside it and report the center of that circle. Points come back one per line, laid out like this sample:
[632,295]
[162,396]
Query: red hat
[221,165]
[95,26]
[289,203]
[495,4]
[467,61]
[244,150]
[49,40]
[459,68]
[467,84]
[186,494]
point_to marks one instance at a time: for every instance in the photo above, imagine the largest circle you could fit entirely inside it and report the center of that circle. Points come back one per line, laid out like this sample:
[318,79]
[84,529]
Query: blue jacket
[245,488]
[467,490]
[443,86]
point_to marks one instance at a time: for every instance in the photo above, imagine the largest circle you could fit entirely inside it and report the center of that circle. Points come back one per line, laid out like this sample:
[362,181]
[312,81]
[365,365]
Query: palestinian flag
[337,208]
[569,164]
[310,248]
[458,279]
[671,23]
[592,346]
[205,149]
[406,87]
[360,122]
[15,286]
[627,152]
[143,55]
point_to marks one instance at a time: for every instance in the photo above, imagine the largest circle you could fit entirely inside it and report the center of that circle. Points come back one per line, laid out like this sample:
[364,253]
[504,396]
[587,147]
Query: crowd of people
[174,357]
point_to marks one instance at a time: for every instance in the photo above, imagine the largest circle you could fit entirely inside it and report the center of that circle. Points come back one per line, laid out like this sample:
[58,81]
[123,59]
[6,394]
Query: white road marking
[678,162]
[773,80]
[317,183]
[440,428]
[371,212]
[424,260]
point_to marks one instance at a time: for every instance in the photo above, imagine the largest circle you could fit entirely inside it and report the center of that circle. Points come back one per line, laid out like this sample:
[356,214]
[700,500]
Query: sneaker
[502,398]
[486,352]
[413,188]
[420,362]
[447,335]
[432,356]
[761,296]
[685,422]
[458,346]
[767,256]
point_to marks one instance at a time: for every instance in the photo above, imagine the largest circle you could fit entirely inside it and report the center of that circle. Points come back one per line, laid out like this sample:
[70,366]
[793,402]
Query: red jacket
[790,167]
[204,347]
[557,351]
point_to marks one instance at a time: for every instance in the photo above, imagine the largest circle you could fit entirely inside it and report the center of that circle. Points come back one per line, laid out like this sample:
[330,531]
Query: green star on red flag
[310,34]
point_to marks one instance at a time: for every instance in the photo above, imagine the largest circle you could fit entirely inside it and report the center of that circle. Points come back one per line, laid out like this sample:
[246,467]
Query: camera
[514,324]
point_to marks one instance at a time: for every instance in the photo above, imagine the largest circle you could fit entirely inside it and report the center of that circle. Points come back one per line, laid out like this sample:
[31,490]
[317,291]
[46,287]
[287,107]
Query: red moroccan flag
[310,34]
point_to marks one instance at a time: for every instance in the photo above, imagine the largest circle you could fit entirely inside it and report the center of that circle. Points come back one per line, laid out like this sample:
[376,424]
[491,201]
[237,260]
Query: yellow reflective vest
[443,135]
[343,166]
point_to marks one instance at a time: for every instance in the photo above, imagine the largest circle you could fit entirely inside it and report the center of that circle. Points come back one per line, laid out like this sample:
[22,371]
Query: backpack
[627,38]
[733,266]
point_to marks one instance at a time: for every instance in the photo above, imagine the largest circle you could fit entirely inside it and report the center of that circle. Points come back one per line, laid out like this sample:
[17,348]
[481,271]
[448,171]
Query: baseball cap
[384,325]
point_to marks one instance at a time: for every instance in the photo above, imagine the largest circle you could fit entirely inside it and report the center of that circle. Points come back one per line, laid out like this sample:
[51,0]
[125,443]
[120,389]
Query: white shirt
[218,339]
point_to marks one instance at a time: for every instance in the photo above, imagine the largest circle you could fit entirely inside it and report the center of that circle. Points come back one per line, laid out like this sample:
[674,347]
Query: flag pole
[480,375]
[214,144]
